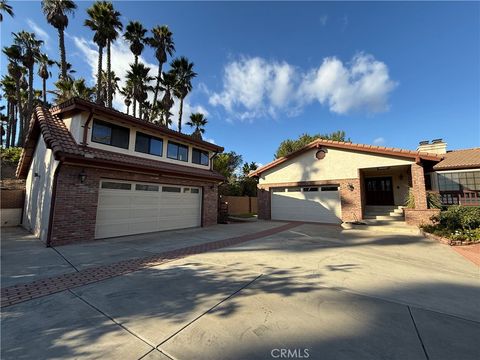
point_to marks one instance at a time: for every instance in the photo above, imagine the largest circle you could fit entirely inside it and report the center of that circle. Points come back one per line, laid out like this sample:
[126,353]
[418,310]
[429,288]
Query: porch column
[263,203]
[418,185]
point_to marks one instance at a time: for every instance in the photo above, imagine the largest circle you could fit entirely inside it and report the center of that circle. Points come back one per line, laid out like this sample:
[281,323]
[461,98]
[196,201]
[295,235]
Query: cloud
[255,87]
[379,141]
[323,20]
[41,33]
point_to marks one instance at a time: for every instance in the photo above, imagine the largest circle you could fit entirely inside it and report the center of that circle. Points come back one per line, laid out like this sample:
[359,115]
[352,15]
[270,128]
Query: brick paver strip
[471,252]
[23,292]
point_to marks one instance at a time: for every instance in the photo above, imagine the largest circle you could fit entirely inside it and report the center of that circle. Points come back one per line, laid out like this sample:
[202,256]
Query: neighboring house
[93,172]
[333,182]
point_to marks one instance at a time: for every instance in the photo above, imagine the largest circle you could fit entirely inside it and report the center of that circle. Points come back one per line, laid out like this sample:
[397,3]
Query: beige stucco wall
[337,164]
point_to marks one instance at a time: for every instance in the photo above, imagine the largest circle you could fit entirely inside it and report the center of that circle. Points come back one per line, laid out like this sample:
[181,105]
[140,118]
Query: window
[110,134]
[468,180]
[148,144]
[142,187]
[277,190]
[200,157]
[310,189]
[294,189]
[195,191]
[116,185]
[186,190]
[329,188]
[171,189]
[177,152]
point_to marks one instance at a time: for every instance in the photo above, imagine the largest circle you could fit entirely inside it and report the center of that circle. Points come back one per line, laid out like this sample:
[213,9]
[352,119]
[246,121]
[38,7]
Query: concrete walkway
[331,293]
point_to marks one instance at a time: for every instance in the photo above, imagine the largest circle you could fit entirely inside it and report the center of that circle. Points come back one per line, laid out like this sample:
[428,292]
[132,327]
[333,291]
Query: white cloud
[39,32]
[255,87]
[379,141]
[323,20]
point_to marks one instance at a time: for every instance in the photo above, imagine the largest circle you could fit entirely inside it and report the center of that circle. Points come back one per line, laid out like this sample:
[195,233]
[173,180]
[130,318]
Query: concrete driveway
[311,291]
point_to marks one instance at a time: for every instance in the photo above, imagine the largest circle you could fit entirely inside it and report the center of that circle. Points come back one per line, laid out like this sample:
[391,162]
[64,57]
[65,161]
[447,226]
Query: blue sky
[387,73]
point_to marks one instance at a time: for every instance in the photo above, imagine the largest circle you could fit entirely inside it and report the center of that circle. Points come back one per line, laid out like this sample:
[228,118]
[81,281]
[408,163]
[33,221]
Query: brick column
[351,200]
[264,206]
[418,185]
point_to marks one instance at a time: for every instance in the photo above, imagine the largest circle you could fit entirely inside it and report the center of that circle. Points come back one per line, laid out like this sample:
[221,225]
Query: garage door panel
[315,206]
[138,210]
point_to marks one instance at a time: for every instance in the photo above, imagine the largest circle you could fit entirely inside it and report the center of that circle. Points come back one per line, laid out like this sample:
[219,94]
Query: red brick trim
[419,217]
[20,293]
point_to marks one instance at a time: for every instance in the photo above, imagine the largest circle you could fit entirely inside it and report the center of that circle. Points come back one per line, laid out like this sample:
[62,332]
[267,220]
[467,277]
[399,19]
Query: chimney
[437,146]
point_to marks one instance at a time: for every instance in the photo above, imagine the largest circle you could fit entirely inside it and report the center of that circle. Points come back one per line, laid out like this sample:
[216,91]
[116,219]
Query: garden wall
[240,204]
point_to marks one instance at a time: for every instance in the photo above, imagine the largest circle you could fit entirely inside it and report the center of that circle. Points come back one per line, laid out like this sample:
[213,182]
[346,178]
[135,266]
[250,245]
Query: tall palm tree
[198,121]
[114,79]
[44,73]
[9,92]
[162,42]
[168,84]
[56,13]
[127,93]
[184,74]
[30,48]
[135,35]
[98,17]
[15,70]
[67,89]
[139,78]
[7,9]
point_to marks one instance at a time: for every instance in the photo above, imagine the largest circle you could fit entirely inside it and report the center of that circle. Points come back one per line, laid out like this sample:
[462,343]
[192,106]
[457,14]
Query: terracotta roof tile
[59,139]
[460,159]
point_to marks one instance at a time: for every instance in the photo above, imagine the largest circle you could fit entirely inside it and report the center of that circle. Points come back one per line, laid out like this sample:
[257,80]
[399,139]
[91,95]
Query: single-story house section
[333,182]
[93,172]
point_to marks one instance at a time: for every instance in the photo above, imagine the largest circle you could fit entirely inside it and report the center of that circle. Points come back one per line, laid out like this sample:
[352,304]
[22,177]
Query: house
[93,172]
[333,182]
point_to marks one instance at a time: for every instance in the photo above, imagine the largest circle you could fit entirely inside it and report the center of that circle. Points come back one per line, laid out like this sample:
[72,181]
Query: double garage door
[127,208]
[315,204]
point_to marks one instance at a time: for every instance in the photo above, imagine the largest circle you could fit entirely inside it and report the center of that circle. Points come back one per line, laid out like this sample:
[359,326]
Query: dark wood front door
[379,191]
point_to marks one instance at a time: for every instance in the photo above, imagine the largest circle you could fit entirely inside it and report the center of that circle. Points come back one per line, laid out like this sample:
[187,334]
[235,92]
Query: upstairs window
[177,151]
[148,144]
[200,157]
[110,134]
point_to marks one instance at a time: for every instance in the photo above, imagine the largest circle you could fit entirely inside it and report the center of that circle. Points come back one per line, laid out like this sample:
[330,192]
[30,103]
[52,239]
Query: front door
[379,191]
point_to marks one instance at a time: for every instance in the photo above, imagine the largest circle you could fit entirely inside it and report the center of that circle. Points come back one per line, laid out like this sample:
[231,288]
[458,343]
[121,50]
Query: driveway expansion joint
[19,293]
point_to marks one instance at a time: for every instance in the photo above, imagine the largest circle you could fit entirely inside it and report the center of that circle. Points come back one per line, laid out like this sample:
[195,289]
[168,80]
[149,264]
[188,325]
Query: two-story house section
[94,173]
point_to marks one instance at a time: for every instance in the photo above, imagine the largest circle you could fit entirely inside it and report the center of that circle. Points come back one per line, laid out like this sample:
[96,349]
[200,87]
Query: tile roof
[77,104]
[59,139]
[389,151]
[460,159]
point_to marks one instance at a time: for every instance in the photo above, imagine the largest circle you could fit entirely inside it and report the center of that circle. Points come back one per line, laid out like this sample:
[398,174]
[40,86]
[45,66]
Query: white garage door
[317,204]
[126,208]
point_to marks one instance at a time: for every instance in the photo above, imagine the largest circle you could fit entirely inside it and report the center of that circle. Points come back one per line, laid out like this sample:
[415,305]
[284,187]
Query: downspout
[52,203]
[85,127]
[211,159]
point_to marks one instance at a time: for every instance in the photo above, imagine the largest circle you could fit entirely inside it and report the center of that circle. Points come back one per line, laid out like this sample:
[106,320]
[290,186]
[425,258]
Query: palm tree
[56,13]
[183,70]
[127,93]
[44,73]
[168,84]
[7,9]
[198,121]
[30,48]
[162,42]
[114,79]
[135,35]
[139,79]
[9,92]
[15,70]
[98,14]
[67,89]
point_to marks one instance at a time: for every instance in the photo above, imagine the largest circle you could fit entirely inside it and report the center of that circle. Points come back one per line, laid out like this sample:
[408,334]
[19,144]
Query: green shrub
[10,156]
[458,218]
[433,200]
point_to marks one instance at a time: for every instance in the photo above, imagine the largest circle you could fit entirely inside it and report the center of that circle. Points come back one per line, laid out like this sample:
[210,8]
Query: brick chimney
[437,146]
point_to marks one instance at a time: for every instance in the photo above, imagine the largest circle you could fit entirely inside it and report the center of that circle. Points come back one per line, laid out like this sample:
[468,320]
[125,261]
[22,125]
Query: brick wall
[418,186]
[350,197]
[419,217]
[12,198]
[76,203]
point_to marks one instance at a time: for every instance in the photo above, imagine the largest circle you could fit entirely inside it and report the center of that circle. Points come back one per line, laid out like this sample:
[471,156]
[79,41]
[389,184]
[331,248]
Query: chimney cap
[423,142]
[437,141]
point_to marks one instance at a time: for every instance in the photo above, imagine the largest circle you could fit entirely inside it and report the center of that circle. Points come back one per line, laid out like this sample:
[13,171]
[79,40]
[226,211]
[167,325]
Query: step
[396,217]
[389,229]
[386,222]
[385,208]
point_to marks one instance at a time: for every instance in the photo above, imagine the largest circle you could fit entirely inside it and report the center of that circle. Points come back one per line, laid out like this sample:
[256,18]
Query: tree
[184,74]
[168,84]
[98,17]
[5,8]
[289,146]
[162,42]
[198,121]
[44,73]
[114,79]
[227,164]
[56,13]
[9,93]
[138,76]
[135,35]
[112,27]
[30,50]
[67,89]
[127,93]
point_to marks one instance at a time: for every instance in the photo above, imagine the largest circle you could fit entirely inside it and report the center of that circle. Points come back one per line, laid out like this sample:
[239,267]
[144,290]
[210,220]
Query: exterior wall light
[82,176]
[350,187]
